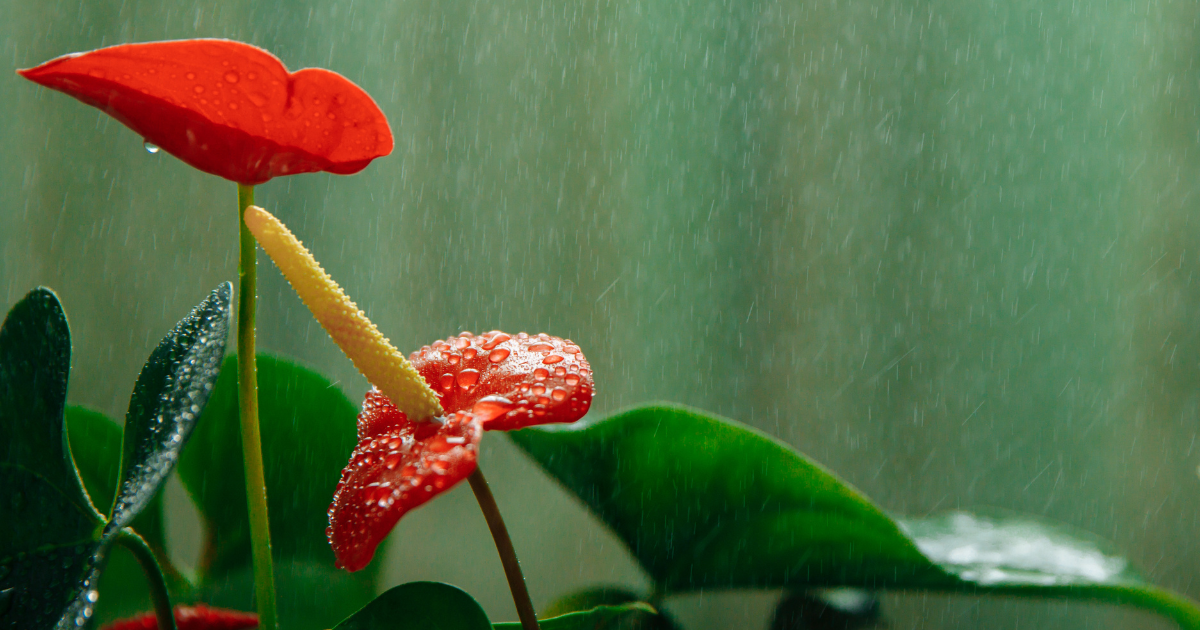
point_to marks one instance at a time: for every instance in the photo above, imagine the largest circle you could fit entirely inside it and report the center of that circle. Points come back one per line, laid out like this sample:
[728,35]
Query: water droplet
[462,342]
[468,378]
[560,371]
[231,77]
[498,355]
[541,374]
[572,379]
[446,381]
[490,407]
[454,359]
[541,347]
[495,341]
[539,389]
[552,359]
[392,461]
[93,596]
[469,353]
[558,394]
[151,148]
[456,440]
[199,89]
[190,75]
[252,76]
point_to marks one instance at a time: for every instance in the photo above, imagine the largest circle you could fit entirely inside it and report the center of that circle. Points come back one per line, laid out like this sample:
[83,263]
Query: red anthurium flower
[227,108]
[198,617]
[490,382]
[419,430]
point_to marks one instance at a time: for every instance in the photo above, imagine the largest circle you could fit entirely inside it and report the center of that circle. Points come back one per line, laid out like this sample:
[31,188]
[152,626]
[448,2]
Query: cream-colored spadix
[367,348]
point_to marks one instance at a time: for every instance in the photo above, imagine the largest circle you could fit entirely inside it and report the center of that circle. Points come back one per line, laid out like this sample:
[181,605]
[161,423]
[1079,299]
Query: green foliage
[639,616]
[53,541]
[308,428]
[419,606]
[704,502]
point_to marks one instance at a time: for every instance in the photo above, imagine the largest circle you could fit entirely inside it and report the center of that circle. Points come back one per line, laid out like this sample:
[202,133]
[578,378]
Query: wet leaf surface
[171,391]
[630,606]
[419,606]
[704,502]
[50,530]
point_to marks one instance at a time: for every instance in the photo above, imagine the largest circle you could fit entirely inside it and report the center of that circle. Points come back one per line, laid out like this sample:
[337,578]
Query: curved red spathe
[489,382]
[227,108]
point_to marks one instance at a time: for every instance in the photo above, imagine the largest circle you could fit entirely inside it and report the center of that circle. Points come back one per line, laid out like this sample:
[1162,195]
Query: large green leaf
[607,597]
[308,432]
[419,606]
[170,393]
[49,531]
[632,616]
[704,502]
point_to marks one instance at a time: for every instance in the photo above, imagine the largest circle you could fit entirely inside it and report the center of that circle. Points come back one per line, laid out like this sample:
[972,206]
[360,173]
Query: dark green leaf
[308,429]
[828,609]
[704,502]
[419,606]
[611,596]
[169,395]
[50,530]
[632,616]
[96,444]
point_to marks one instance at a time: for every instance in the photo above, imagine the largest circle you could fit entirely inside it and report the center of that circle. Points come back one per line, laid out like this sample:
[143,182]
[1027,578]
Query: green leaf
[704,502]
[634,615]
[170,393]
[50,530]
[611,596]
[308,429]
[1022,555]
[419,606]
[309,594]
[96,444]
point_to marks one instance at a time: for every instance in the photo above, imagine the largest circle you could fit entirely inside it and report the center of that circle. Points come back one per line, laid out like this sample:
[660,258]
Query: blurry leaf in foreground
[419,606]
[827,609]
[634,617]
[705,502]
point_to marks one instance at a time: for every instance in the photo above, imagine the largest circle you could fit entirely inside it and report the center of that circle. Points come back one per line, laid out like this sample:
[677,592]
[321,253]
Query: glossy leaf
[635,614]
[616,617]
[704,502]
[227,108]
[96,445]
[308,428]
[419,606]
[171,391]
[50,530]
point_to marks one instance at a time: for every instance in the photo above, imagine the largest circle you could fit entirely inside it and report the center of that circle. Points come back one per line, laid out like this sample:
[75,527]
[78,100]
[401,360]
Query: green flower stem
[256,485]
[504,546]
[130,540]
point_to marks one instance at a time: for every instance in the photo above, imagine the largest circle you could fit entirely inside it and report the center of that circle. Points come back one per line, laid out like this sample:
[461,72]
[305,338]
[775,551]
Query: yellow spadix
[350,329]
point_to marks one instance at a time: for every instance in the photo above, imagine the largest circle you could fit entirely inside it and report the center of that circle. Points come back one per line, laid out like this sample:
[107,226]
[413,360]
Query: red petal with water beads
[227,108]
[509,382]
[397,466]
[198,617]
[488,382]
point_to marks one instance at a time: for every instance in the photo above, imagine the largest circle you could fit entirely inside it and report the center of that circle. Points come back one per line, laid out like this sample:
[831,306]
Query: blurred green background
[943,247]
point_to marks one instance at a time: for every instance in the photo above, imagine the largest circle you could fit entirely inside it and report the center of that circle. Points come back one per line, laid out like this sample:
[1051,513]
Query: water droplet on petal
[490,407]
[541,347]
[498,355]
[446,381]
[572,379]
[231,77]
[151,148]
[468,378]
[558,394]
[541,374]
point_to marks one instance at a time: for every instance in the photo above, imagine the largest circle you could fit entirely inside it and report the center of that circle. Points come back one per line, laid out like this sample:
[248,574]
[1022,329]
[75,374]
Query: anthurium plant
[700,501]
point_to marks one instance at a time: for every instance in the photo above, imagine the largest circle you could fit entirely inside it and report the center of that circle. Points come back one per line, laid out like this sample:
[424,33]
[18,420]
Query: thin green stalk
[256,485]
[504,546]
[129,539]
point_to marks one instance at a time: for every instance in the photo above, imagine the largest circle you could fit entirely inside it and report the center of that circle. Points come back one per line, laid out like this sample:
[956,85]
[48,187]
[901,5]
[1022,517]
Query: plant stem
[256,485]
[130,540]
[504,546]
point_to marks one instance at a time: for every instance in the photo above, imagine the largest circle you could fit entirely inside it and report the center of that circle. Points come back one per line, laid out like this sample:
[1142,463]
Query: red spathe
[227,108]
